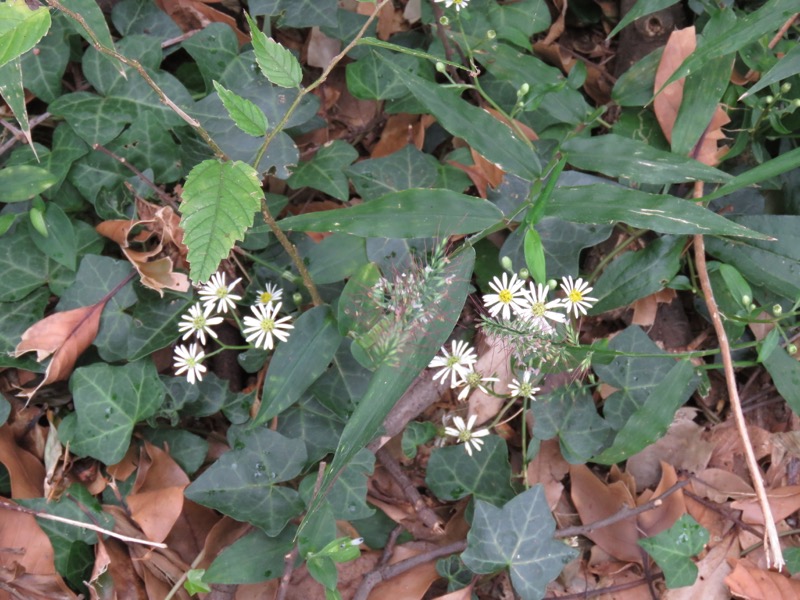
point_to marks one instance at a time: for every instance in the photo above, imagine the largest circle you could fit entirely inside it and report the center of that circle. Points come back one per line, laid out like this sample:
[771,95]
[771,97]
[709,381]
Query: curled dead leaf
[64,335]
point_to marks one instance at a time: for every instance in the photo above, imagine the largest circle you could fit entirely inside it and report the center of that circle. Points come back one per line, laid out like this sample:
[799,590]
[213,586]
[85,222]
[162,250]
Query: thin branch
[424,512]
[136,65]
[43,515]
[166,198]
[606,590]
[772,543]
[621,515]
[177,587]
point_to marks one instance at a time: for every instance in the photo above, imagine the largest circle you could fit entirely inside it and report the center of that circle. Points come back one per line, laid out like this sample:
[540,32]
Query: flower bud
[440,66]
[746,300]
[523,89]
[777,310]
[786,88]
[769,99]
[524,273]
[491,34]
[791,349]
[444,21]
[297,298]
[552,284]
[506,263]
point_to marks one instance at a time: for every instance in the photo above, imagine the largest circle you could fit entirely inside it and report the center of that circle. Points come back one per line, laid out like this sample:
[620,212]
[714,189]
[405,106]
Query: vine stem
[772,543]
[283,239]
[136,65]
[43,515]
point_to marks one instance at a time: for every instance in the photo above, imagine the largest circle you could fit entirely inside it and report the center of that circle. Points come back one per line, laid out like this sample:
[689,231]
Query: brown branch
[424,512]
[772,543]
[606,590]
[166,198]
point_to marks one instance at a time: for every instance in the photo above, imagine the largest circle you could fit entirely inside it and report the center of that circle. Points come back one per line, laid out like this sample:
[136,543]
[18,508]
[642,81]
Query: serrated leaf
[517,537]
[247,115]
[453,474]
[109,402]
[219,202]
[672,550]
[242,483]
[298,362]
[408,214]
[276,62]
[325,172]
[20,29]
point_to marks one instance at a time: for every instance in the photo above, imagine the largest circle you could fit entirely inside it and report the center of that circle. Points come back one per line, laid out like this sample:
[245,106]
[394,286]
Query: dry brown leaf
[26,548]
[464,593]
[113,573]
[751,582]
[671,508]
[783,502]
[25,471]
[667,102]
[29,586]
[65,335]
[401,130]
[321,49]
[412,584]
[645,309]
[190,15]
[549,468]
[718,485]
[596,500]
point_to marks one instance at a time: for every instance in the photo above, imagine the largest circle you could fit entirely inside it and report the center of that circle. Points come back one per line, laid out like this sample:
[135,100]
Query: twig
[721,510]
[136,65]
[426,515]
[772,543]
[606,590]
[18,135]
[166,198]
[176,588]
[91,527]
[291,558]
[621,515]
[386,572]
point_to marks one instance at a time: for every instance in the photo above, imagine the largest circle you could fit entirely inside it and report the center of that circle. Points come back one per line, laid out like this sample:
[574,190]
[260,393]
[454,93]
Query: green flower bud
[440,66]
[746,300]
[796,102]
[506,263]
[752,307]
[297,298]
[523,89]
[791,349]
[444,21]
[769,99]
[786,88]
[524,273]
[552,284]
[777,310]
[491,34]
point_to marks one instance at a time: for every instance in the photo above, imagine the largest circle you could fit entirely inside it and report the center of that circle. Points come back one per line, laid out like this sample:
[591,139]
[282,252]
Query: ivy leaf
[219,201]
[246,114]
[517,537]
[325,172]
[672,550]
[276,62]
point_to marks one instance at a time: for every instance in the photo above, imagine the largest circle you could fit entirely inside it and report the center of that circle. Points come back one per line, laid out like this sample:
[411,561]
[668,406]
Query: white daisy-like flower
[507,297]
[464,434]
[198,321]
[459,4]
[456,363]
[524,389]
[189,360]
[576,299]
[259,329]
[471,381]
[270,294]
[538,310]
[217,291]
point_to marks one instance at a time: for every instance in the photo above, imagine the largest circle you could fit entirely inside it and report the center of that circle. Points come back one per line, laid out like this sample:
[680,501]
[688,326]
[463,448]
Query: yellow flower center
[267,325]
[222,292]
[538,309]
[505,296]
[199,322]
[575,296]
[265,297]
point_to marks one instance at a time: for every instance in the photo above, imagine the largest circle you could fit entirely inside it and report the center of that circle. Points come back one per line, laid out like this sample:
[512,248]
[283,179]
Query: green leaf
[308,13]
[702,92]
[254,558]
[393,378]
[569,413]
[139,16]
[348,496]
[635,275]
[155,323]
[60,244]
[213,48]
[616,156]
[787,66]
[519,21]
[335,258]
[242,483]
[640,9]
[517,537]
[314,423]
[96,119]
[194,583]
[219,201]
[782,163]
[408,214]
[672,550]
[792,556]
[23,265]
[764,21]
[368,79]
[45,67]
[247,115]
[774,265]
[323,569]
[652,419]
[20,28]
[23,182]
[488,136]
[13,93]
[95,20]
[785,372]
[404,169]
[453,474]
[416,434]
[605,203]
[298,362]
[276,62]
[15,318]
[635,86]
[325,172]
[534,254]
[109,402]
[187,449]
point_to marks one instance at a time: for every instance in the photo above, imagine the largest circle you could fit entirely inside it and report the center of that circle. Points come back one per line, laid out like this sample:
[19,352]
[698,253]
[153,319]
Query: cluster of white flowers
[510,298]
[459,4]
[217,297]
